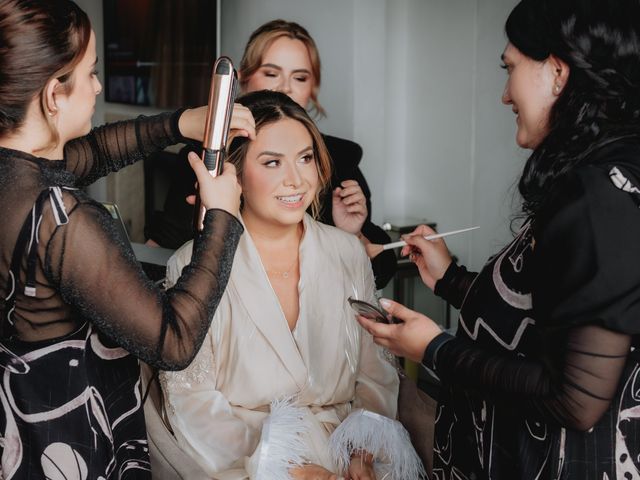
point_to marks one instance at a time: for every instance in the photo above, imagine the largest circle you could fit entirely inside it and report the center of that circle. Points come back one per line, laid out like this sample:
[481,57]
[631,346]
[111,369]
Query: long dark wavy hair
[600,42]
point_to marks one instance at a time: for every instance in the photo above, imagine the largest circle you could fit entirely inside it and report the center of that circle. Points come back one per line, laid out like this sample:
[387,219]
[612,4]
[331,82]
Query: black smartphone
[369,311]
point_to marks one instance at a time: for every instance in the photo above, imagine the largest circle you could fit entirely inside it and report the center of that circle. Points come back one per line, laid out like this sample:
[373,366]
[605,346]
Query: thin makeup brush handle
[402,243]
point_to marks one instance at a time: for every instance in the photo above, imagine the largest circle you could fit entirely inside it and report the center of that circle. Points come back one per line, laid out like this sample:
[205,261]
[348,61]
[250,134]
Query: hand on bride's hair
[242,123]
[192,123]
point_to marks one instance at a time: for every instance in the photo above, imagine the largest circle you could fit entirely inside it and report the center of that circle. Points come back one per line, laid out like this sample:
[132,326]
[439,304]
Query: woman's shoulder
[80,208]
[334,239]
[609,178]
[586,240]
[596,200]
[599,166]
[612,176]
[592,215]
[338,253]
[625,149]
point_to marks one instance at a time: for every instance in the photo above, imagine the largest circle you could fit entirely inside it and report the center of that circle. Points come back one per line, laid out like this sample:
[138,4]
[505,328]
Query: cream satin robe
[327,368]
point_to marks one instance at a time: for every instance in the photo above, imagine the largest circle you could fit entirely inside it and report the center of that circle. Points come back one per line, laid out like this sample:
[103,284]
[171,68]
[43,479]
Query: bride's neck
[269,236]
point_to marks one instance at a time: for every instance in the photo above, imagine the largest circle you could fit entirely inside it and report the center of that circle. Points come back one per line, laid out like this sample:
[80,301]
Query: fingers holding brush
[430,256]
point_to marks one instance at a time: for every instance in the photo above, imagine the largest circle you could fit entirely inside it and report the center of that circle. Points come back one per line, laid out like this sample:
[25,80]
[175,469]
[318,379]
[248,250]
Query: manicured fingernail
[385,303]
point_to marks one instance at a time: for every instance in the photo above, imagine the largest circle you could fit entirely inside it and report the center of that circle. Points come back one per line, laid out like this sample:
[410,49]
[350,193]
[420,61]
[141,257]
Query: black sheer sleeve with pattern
[113,146]
[101,280]
[72,265]
[586,298]
[454,285]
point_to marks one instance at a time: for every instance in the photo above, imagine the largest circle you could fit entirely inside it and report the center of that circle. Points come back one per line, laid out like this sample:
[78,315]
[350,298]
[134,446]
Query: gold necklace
[283,273]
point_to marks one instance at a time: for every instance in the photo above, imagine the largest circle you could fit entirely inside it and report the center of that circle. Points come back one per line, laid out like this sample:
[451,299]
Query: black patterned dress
[78,312]
[542,380]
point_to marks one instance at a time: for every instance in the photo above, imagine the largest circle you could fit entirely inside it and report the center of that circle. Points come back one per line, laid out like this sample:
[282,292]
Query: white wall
[460,157]
[439,99]
[417,84]
[496,160]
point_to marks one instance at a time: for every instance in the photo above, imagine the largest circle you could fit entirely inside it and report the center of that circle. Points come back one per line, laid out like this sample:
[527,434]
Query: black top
[545,346]
[173,227]
[84,270]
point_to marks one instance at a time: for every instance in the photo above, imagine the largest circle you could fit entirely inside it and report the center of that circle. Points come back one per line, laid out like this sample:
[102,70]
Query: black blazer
[346,156]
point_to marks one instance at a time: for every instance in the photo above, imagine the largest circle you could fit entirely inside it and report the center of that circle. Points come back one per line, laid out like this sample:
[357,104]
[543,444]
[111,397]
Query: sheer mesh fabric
[87,272]
[575,395]
[585,296]
[109,148]
[540,380]
[454,285]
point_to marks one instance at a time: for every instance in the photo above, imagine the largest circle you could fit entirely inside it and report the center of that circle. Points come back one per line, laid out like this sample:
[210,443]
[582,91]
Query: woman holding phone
[540,381]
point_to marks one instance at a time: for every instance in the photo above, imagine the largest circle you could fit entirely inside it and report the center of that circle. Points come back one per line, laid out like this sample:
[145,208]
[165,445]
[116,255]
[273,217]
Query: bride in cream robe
[260,397]
[327,368]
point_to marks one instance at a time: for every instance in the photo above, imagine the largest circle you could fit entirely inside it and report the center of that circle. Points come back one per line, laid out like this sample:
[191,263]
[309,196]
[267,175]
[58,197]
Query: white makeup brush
[375,249]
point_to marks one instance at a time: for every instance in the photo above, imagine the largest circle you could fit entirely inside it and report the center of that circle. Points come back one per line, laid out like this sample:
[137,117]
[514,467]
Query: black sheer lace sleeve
[576,396]
[99,277]
[111,147]
[586,302]
[454,285]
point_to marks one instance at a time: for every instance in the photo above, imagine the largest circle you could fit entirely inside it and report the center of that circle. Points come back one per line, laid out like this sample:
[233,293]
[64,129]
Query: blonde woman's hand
[221,192]
[430,256]
[312,472]
[349,207]
[192,122]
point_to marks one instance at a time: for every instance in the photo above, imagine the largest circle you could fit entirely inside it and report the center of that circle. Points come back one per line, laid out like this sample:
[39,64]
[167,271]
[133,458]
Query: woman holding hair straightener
[77,310]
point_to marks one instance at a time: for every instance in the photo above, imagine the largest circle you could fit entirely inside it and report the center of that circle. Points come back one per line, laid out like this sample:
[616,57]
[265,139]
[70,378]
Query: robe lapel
[250,281]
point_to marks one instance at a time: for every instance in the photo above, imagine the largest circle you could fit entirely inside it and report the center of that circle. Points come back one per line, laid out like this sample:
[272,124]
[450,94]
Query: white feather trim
[382,437]
[281,443]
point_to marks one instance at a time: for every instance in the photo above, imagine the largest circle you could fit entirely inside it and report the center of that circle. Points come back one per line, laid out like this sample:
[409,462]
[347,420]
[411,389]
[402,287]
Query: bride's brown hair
[268,107]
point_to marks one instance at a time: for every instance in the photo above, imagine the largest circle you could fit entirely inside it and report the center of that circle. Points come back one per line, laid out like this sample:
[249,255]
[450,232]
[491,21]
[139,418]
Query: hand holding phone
[370,311]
